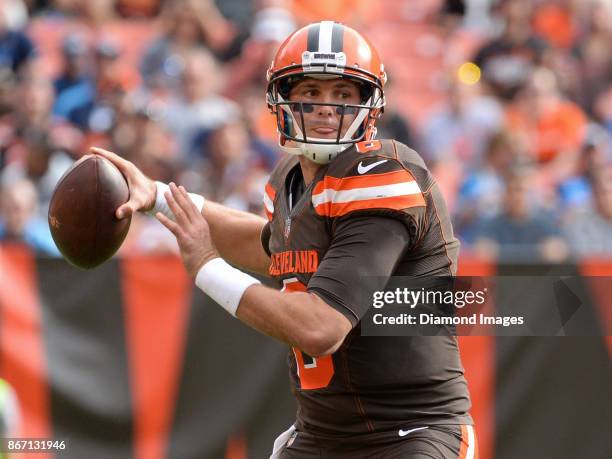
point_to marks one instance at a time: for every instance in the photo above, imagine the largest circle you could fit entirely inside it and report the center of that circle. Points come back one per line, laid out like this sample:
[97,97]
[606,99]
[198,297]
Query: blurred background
[508,101]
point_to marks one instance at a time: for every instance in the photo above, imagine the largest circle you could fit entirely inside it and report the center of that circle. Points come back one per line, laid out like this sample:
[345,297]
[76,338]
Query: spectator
[508,60]
[246,74]
[188,24]
[16,49]
[38,163]
[15,14]
[73,87]
[248,196]
[199,107]
[8,134]
[547,82]
[603,108]
[552,127]
[575,191]
[228,158]
[8,87]
[98,114]
[231,167]
[589,230]
[481,193]
[460,130]
[394,125]
[94,12]
[138,8]
[142,138]
[595,69]
[34,105]
[19,221]
[522,231]
[354,12]
[270,27]
[553,22]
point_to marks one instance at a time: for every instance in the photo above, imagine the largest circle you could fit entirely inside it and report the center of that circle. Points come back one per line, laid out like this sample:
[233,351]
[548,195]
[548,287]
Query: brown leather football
[82,212]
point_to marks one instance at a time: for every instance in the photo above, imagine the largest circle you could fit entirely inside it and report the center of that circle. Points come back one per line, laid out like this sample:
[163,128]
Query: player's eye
[346,110]
[306,108]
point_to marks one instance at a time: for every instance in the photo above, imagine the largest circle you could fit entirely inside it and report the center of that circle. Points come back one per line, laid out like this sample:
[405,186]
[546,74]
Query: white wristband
[224,283]
[161,205]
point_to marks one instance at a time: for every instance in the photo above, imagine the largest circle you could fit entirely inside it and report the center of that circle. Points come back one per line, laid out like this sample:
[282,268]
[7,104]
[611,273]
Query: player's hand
[190,229]
[142,189]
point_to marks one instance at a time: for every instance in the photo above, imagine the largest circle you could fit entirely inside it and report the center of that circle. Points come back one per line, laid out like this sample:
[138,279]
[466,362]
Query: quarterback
[345,213]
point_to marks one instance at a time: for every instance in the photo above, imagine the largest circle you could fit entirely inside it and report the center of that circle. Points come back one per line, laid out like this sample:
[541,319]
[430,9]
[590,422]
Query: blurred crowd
[515,119]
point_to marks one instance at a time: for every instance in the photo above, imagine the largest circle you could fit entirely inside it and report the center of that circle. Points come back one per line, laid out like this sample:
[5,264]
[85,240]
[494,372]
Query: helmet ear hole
[284,86]
[365,91]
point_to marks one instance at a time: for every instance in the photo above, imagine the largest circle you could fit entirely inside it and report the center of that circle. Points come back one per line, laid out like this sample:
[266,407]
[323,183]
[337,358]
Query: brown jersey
[373,212]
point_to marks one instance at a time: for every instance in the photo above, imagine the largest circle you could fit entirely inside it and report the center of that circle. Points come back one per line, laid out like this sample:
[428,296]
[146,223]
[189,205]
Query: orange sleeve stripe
[271,192]
[395,203]
[362,181]
[268,201]
[293,285]
[464,445]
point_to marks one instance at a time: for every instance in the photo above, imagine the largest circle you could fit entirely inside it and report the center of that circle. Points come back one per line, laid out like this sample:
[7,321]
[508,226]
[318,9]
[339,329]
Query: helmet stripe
[337,38]
[325,36]
[313,37]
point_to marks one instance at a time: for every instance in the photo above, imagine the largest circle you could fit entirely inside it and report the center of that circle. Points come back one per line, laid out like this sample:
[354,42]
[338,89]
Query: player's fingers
[179,213]
[191,208]
[125,210]
[172,226]
[108,154]
[183,201]
[186,203]
[114,158]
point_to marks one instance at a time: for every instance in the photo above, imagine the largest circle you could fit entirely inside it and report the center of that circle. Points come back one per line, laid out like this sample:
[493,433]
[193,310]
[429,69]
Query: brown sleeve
[362,256]
[265,238]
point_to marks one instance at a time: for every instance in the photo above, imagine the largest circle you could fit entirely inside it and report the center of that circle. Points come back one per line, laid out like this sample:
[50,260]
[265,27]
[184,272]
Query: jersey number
[313,373]
[368,145]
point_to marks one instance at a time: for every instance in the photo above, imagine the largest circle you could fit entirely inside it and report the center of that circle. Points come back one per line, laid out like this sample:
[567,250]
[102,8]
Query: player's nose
[326,110]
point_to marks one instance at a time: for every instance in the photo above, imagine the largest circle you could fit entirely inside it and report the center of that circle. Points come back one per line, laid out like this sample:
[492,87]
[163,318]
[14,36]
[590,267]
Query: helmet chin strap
[318,152]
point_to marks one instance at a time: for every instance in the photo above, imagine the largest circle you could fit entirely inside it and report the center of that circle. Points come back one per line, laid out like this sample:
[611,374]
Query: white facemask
[323,153]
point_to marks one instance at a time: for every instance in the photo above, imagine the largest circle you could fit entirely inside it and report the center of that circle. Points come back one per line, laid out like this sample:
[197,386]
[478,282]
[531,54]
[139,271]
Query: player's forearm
[237,236]
[299,319]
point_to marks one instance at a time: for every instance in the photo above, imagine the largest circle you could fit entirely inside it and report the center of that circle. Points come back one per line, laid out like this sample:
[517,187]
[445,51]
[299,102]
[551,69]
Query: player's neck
[309,169]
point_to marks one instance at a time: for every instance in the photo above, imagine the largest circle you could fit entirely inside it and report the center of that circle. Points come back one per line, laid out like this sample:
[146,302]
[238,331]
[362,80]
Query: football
[82,212]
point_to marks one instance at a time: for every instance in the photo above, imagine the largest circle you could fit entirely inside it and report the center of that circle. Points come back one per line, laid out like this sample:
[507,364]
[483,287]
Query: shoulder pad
[374,181]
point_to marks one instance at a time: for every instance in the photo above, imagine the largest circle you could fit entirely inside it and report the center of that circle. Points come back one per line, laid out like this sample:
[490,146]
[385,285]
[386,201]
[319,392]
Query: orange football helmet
[326,50]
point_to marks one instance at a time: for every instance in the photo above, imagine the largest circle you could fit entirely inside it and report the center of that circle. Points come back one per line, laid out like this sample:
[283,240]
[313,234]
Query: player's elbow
[323,329]
[325,340]
[319,346]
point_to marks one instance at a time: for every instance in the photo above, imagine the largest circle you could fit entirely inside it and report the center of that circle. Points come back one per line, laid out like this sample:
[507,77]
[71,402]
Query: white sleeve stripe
[470,441]
[268,204]
[360,194]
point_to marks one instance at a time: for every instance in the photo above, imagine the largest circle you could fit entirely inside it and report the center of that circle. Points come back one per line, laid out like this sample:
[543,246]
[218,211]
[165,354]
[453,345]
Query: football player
[345,213]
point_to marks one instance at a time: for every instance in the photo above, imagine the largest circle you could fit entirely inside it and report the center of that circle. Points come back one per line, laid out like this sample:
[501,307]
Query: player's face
[323,121]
